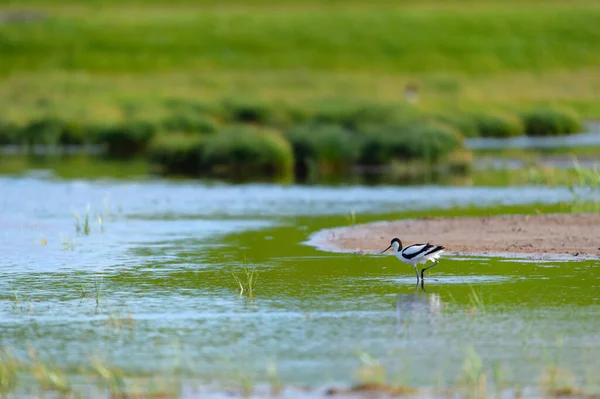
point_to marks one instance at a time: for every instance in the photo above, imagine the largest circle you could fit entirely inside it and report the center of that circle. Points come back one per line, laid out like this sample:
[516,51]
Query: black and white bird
[416,254]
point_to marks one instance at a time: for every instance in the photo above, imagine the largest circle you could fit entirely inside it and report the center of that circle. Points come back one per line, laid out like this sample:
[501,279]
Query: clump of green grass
[9,132]
[476,302]
[463,122]
[16,301]
[83,227]
[328,147]
[127,139]
[371,369]
[556,382]
[67,243]
[82,291]
[9,371]
[41,131]
[274,382]
[411,139]
[350,114]
[432,141]
[110,378]
[498,124]
[473,379]
[21,303]
[49,376]
[120,320]
[47,130]
[453,165]
[73,132]
[246,286]
[98,281]
[245,151]
[178,153]
[551,121]
[249,110]
[190,122]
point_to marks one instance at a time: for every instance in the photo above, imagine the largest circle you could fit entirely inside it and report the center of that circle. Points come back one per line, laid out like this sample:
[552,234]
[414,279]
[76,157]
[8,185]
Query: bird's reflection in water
[420,305]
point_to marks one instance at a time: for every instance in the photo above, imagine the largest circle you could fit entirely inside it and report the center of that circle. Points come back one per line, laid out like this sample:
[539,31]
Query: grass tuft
[498,125]
[110,378]
[246,286]
[83,227]
[551,121]
[98,281]
[9,371]
[473,379]
[371,371]
[178,153]
[190,122]
[329,148]
[67,243]
[50,377]
[351,114]
[412,139]
[245,151]
[127,139]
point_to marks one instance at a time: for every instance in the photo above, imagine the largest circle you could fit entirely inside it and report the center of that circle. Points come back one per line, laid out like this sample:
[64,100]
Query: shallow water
[150,289]
[589,138]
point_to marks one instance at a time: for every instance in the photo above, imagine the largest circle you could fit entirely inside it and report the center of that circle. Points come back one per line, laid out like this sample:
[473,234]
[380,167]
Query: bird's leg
[417,273]
[428,267]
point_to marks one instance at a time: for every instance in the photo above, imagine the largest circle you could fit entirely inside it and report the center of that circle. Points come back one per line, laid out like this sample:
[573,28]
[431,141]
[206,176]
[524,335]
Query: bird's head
[395,243]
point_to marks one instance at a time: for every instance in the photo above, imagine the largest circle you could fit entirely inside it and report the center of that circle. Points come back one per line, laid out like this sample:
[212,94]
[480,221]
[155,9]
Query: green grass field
[370,38]
[90,58]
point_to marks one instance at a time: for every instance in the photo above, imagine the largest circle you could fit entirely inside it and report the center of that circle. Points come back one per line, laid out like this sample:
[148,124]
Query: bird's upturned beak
[386,249]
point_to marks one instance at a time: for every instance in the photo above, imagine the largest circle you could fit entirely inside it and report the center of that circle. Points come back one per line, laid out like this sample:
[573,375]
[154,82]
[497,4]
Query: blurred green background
[158,79]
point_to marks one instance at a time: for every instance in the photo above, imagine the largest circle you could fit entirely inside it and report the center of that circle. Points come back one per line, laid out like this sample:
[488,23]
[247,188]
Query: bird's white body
[416,254]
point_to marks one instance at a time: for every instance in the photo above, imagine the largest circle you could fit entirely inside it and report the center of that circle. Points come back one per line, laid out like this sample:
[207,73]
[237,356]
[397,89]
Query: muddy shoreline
[554,236]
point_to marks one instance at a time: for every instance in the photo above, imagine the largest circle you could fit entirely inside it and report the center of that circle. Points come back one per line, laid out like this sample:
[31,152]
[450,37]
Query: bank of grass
[243,151]
[236,151]
[550,121]
[241,137]
[307,150]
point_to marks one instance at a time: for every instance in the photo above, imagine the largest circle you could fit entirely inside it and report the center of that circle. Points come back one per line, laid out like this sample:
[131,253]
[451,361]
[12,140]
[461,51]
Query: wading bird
[416,253]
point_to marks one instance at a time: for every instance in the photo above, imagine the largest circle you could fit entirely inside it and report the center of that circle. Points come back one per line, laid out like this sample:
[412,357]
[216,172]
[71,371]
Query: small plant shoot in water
[85,227]
[248,285]
[67,243]
[98,288]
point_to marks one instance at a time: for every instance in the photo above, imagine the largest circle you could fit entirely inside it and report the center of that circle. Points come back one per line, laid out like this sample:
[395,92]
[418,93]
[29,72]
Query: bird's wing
[416,250]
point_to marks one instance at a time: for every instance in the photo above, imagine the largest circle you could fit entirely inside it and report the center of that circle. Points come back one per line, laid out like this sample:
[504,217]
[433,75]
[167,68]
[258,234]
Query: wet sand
[531,236]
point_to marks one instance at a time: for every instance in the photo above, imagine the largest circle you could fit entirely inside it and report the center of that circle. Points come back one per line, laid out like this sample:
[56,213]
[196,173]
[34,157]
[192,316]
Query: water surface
[150,288]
